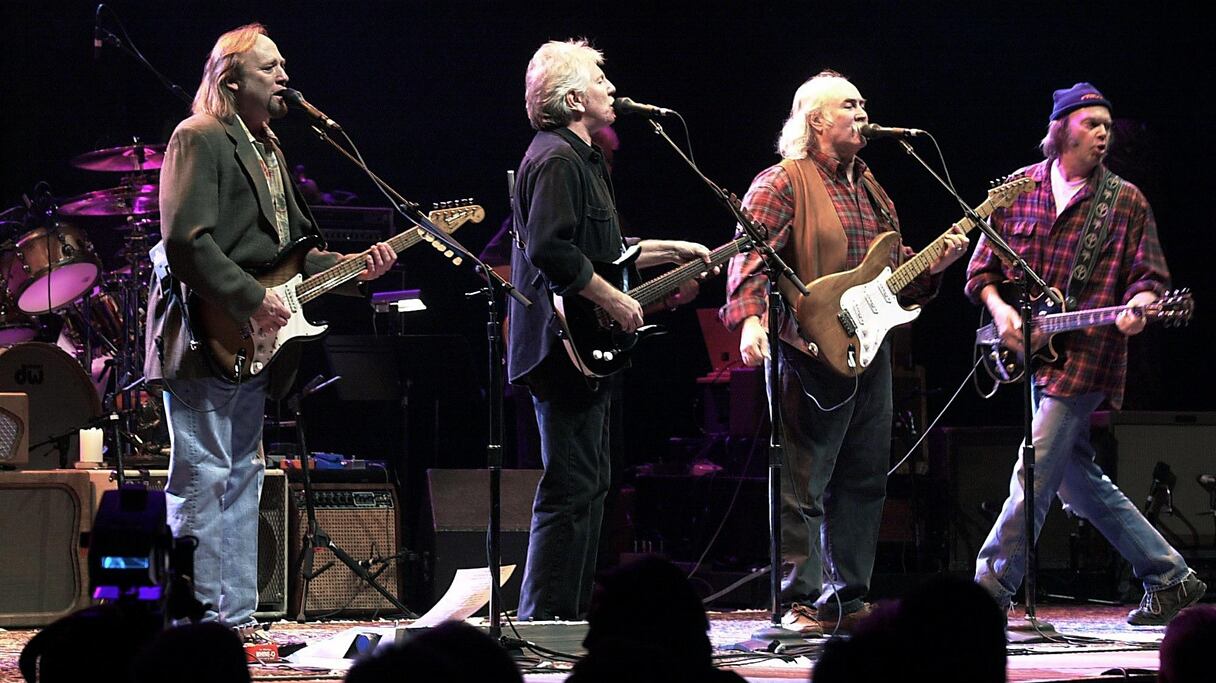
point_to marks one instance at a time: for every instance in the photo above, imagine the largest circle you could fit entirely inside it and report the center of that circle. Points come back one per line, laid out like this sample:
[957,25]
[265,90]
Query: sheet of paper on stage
[469,592]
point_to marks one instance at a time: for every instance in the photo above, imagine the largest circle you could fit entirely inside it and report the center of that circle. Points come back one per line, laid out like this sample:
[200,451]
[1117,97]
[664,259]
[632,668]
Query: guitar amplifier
[362,520]
[353,228]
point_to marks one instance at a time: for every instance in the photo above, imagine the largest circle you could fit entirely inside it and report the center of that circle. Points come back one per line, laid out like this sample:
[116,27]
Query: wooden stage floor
[1097,641]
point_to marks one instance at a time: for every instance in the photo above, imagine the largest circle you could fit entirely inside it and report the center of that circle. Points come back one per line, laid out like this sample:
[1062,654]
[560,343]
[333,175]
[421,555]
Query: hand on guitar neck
[1008,322]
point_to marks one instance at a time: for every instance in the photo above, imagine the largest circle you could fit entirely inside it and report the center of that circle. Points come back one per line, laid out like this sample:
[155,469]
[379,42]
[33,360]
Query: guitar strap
[1093,234]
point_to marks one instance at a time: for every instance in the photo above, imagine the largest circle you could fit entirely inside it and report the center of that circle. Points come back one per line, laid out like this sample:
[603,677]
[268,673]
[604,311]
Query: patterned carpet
[1105,642]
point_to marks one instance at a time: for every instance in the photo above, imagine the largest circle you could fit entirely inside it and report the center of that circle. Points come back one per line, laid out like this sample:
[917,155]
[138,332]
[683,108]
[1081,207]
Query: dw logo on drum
[28,374]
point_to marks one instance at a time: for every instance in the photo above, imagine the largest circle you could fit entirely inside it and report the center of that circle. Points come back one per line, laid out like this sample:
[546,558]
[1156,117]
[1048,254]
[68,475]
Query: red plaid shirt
[770,200]
[1131,261]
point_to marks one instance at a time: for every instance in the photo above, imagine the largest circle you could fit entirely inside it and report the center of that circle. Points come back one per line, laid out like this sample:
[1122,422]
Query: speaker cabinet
[272,530]
[1186,442]
[14,429]
[43,567]
[362,519]
[460,517]
[979,462]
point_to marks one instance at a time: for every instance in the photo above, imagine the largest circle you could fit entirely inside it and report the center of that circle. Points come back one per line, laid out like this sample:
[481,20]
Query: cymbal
[124,159]
[116,201]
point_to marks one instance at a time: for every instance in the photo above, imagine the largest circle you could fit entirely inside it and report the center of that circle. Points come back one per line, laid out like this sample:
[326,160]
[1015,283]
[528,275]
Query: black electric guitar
[595,342]
[238,350]
[1005,365]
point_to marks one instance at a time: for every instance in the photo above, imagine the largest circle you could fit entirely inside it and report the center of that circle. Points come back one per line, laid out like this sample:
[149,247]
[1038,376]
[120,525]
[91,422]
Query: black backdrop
[432,92]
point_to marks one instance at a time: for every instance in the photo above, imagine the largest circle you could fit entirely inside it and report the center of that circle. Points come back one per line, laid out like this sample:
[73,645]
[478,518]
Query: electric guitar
[1006,365]
[596,344]
[847,315]
[240,350]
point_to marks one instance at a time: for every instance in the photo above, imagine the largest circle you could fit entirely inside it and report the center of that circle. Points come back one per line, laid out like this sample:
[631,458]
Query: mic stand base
[1031,630]
[776,632]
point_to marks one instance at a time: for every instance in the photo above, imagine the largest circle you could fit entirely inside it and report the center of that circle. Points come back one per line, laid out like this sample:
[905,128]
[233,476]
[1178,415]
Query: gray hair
[556,70]
[810,97]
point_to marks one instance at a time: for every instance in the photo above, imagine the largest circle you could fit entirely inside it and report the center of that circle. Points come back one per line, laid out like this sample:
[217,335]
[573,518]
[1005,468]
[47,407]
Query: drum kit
[54,282]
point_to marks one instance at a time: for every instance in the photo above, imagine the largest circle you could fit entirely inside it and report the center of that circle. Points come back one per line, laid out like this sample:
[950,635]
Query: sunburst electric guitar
[240,350]
[847,315]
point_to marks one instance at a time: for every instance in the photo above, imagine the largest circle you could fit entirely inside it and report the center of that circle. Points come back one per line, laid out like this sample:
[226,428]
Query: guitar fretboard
[905,274]
[656,289]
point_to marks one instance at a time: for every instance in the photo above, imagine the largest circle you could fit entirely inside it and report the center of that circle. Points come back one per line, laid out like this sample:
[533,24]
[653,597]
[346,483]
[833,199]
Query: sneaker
[1159,606]
[804,619]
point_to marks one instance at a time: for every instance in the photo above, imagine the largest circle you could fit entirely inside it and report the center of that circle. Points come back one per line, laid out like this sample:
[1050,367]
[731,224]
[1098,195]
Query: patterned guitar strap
[1093,235]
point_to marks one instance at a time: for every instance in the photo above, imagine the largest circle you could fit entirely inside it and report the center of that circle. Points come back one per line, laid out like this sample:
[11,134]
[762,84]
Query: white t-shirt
[1063,189]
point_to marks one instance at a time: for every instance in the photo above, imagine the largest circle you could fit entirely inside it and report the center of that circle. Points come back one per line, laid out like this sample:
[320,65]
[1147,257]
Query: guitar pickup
[846,321]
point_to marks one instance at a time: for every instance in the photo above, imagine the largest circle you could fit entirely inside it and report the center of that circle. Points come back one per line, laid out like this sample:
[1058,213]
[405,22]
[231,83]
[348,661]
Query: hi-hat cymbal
[126,159]
[116,201]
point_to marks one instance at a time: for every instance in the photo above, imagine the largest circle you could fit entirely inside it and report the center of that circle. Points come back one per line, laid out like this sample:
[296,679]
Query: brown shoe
[803,619]
[848,623]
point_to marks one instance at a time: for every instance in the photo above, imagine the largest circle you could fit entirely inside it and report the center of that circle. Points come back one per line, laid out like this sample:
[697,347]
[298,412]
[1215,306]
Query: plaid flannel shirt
[1131,261]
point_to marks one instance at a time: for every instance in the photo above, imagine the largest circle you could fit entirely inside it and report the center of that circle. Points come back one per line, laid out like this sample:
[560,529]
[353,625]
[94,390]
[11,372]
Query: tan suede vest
[817,245]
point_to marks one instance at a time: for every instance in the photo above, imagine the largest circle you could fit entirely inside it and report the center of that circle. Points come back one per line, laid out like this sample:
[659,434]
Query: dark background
[432,93]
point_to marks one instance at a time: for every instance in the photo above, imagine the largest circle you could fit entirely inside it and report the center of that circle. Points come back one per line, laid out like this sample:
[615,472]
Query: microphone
[295,99]
[624,106]
[872,130]
[1207,481]
[1163,484]
[97,33]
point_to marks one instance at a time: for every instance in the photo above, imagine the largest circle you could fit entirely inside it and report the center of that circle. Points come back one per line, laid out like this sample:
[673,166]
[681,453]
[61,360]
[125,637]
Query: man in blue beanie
[1091,235]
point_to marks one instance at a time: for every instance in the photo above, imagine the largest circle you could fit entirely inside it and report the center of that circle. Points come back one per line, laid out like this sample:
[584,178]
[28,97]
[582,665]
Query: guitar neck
[350,268]
[660,287]
[1076,320]
[905,274]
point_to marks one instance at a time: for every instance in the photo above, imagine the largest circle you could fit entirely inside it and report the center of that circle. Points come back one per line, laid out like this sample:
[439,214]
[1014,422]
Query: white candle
[90,445]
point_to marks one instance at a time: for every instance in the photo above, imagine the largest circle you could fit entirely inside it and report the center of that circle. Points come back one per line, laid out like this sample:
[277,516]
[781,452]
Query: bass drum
[62,400]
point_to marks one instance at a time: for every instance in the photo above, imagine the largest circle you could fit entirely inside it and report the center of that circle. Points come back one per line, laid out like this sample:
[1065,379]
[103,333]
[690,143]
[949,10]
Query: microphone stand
[315,537]
[1026,278]
[494,284]
[776,268]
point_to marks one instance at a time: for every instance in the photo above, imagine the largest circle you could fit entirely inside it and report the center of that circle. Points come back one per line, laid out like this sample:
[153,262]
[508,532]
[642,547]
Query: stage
[1094,640]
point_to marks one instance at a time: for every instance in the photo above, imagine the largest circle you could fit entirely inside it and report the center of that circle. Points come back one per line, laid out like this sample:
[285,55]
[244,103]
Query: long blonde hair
[223,65]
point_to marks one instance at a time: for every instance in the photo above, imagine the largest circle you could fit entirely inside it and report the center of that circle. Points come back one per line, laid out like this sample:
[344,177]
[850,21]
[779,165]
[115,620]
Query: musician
[823,208]
[566,220]
[1046,227]
[227,204]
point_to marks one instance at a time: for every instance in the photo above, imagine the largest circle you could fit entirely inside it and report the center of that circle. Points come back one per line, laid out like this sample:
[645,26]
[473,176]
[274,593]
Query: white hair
[810,97]
[556,70]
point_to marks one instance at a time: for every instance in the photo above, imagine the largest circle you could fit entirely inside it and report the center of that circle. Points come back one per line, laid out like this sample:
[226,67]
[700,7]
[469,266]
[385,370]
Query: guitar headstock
[453,214]
[1174,309]
[1009,188]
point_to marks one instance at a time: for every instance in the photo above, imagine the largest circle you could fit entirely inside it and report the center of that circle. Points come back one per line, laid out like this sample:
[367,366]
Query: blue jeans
[568,510]
[215,480]
[834,478]
[1064,466]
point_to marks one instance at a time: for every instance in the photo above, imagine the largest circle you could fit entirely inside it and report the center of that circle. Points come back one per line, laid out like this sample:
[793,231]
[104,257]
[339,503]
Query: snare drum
[50,268]
[62,399]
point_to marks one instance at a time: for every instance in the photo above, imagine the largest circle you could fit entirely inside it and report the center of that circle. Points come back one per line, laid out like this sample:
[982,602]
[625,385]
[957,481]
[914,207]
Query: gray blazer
[216,222]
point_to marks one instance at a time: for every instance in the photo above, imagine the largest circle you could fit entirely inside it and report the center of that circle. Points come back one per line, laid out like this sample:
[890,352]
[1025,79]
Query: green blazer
[217,221]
